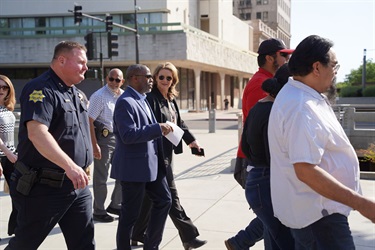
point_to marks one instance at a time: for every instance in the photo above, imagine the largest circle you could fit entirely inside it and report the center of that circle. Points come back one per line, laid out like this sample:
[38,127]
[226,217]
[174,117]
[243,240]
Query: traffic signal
[112,44]
[109,23]
[90,45]
[77,14]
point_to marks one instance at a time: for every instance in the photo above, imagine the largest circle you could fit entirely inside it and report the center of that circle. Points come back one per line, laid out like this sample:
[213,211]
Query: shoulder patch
[36,96]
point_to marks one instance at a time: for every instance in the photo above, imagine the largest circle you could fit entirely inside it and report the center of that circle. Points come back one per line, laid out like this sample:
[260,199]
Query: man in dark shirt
[55,147]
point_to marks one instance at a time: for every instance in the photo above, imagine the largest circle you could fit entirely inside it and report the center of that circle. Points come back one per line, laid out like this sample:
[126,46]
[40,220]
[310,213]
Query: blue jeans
[258,195]
[247,237]
[330,232]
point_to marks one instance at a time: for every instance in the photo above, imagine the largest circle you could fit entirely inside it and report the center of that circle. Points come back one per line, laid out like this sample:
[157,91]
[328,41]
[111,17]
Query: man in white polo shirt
[314,168]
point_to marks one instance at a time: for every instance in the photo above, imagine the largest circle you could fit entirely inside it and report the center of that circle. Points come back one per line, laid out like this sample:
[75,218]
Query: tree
[355,76]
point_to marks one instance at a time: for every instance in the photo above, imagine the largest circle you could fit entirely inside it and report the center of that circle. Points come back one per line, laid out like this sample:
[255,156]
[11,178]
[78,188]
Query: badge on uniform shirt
[105,132]
[36,96]
[80,96]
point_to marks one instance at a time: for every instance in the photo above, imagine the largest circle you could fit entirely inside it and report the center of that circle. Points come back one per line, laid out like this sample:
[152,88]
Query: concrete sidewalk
[209,194]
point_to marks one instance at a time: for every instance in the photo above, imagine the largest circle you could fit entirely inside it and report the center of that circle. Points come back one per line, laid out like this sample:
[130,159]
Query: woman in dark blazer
[165,108]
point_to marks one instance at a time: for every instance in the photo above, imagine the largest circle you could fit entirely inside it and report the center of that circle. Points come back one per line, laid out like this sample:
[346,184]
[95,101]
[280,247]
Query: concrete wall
[355,100]
[358,126]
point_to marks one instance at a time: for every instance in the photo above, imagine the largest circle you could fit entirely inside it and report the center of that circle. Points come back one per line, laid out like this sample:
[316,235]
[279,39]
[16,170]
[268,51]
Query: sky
[350,24]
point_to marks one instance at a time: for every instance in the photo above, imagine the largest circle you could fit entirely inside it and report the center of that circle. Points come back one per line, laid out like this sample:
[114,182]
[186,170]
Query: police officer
[102,105]
[49,185]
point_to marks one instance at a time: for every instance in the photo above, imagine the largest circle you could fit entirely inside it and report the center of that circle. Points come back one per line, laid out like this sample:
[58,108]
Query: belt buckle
[105,132]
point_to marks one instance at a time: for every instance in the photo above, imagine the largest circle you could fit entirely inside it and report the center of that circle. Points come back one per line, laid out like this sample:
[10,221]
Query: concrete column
[197,73]
[240,81]
[222,89]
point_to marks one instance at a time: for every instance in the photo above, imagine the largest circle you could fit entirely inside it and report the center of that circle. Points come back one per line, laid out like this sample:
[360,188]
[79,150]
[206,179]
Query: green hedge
[351,91]
[369,91]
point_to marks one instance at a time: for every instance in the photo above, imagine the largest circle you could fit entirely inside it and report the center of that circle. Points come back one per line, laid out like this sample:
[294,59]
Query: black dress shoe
[112,210]
[103,218]
[229,245]
[134,242]
[195,243]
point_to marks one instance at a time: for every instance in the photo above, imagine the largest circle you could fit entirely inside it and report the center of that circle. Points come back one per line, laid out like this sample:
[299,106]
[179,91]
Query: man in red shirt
[272,54]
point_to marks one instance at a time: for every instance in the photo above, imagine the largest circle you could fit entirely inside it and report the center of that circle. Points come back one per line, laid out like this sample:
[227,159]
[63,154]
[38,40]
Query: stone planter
[366,165]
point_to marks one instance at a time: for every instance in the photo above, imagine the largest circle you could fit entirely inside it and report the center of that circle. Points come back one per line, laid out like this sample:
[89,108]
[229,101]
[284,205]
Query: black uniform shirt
[48,100]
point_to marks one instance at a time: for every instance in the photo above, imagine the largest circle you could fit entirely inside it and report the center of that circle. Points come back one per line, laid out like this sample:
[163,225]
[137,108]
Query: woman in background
[163,104]
[7,148]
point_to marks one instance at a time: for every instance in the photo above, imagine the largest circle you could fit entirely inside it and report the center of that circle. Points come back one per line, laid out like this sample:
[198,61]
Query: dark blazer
[159,106]
[138,140]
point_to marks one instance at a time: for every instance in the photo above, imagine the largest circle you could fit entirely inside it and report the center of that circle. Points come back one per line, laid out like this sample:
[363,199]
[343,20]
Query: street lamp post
[364,71]
[136,32]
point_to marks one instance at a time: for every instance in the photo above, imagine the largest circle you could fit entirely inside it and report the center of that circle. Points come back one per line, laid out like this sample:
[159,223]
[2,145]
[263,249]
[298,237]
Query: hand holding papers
[176,135]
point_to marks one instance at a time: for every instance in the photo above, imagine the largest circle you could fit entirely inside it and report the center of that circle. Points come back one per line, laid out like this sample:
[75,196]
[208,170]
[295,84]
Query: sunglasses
[4,87]
[169,78]
[111,79]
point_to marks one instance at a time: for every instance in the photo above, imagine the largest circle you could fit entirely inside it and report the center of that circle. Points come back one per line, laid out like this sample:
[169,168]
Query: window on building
[155,18]
[265,16]
[259,15]
[40,22]
[69,22]
[15,23]
[241,3]
[248,3]
[242,16]
[265,2]
[56,22]
[248,16]
[259,2]
[28,23]
[4,25]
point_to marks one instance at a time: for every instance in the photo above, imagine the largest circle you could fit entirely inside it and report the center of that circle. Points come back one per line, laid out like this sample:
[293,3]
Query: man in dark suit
[138,159]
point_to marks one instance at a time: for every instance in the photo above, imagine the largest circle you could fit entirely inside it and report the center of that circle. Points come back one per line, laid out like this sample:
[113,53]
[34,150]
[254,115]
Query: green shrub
[369,153]
[351,91]
[369,91]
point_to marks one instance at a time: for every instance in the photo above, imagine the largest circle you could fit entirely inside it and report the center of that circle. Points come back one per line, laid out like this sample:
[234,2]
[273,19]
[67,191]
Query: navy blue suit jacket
[138,140]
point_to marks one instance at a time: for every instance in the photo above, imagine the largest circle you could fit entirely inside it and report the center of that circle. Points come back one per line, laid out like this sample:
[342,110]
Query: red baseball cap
[273,45]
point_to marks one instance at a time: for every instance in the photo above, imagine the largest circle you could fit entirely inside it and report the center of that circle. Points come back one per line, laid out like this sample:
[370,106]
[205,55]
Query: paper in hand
[176,135]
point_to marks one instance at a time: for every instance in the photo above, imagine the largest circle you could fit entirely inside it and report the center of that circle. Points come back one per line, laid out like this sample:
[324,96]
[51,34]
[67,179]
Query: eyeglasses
[111,79]
[169,78]
[336,67]
[4,87]
[147,76]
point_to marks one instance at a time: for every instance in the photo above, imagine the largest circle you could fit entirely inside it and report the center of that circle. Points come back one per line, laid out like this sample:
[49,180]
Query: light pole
[364,71]
[136,32]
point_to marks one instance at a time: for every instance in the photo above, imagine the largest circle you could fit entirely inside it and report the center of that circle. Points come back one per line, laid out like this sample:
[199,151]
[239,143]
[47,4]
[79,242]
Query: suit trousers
[186,229]
[100,176]
[132,197]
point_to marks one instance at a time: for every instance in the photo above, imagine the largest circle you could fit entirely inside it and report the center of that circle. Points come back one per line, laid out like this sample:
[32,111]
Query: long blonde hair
[10,99]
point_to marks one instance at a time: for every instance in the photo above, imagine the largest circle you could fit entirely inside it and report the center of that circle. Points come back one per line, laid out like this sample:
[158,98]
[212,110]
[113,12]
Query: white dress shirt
[303,128]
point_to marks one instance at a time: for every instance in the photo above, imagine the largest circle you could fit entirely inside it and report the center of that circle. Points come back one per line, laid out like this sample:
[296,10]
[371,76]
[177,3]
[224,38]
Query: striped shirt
[7,121]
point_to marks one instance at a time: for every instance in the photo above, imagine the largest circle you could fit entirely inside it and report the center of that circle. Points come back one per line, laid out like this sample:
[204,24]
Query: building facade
[269,18]
[212,48]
